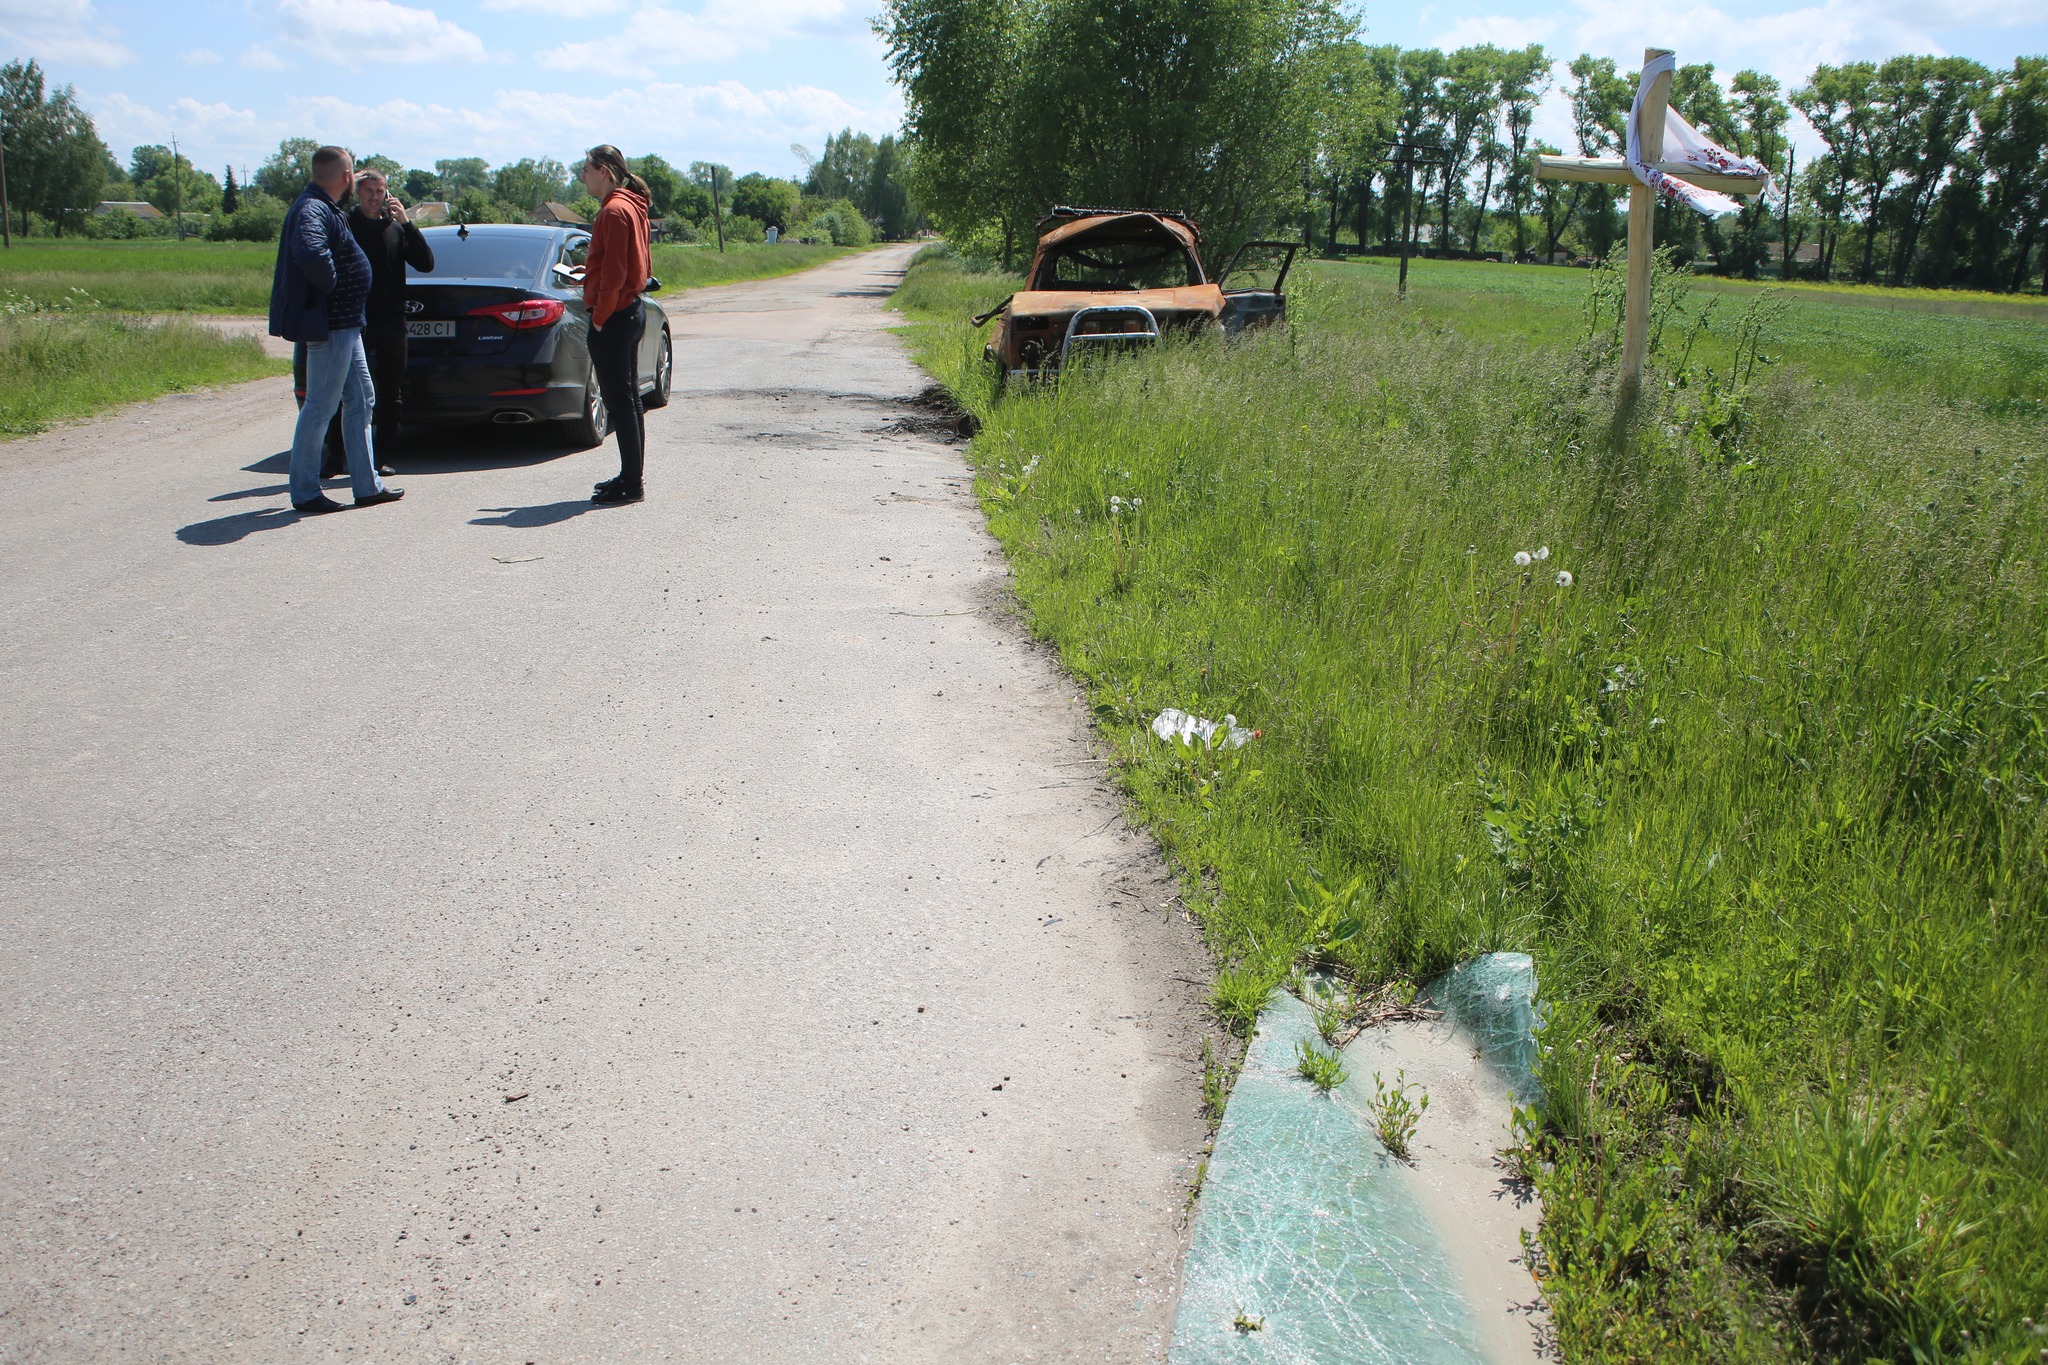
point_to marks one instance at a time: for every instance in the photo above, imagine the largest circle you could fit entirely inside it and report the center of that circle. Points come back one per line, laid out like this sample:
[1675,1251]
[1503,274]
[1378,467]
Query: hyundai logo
[415,306]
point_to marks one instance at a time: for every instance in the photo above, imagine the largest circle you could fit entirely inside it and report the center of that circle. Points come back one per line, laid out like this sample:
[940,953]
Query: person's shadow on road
[228,530]
[546,514]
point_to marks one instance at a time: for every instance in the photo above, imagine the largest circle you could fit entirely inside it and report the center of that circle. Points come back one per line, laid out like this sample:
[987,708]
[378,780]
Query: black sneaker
[382,495]
[616,493]
[606,485]
[313,507]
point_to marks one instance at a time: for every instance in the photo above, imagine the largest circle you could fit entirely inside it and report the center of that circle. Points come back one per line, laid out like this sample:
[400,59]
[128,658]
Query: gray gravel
[489,928]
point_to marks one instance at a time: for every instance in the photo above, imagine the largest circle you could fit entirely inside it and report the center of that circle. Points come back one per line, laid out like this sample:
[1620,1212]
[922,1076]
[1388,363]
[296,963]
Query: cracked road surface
[494,928]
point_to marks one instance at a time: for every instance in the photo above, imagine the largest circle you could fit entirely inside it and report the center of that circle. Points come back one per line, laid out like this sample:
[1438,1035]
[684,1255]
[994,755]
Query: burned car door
[1253,304]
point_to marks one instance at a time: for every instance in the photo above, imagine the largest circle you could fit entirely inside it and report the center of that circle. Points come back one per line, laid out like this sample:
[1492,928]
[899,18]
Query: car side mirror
[653,286]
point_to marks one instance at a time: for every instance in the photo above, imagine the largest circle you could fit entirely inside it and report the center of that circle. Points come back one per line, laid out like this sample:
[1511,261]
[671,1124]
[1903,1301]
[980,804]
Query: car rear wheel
[664,374]
[589,429]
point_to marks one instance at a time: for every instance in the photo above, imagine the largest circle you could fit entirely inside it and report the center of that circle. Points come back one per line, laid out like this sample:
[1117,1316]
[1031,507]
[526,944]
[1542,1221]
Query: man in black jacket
[391,241]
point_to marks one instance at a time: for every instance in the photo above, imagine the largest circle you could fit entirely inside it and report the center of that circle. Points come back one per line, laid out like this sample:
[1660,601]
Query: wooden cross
[1642,206]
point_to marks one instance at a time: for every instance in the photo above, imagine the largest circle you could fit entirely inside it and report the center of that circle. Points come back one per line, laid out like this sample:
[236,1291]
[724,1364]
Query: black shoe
[616,493]
[606,485]
[386,470]
[385,494]
[313,507]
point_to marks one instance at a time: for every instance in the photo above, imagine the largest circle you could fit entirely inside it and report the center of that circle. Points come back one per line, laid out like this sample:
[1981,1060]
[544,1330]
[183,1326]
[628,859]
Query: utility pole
[717,217]
[178,183]
[1408,156]
[1785,230]
[6,231]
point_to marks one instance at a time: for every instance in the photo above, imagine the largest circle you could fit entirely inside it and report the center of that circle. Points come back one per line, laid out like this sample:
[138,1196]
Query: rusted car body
[1116,279]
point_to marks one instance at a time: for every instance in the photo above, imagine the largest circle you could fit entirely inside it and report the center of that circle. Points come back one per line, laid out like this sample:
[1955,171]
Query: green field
[1763,785]
[67,351]
[55,367]
[234,277]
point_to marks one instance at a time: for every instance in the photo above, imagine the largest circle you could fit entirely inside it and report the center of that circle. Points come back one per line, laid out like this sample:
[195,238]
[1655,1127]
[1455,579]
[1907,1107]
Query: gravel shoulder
[491,927]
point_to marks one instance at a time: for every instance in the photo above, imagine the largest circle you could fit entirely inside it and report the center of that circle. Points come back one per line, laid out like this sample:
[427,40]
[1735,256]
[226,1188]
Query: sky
[740,81]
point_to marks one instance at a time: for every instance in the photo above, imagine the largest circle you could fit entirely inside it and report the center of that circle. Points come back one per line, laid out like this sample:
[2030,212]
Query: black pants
[615,355]
[384,342]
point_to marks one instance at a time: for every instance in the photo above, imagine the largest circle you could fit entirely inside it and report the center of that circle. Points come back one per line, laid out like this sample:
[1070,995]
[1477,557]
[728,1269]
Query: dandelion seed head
[1543,552]
[1564,578]
[1522,559]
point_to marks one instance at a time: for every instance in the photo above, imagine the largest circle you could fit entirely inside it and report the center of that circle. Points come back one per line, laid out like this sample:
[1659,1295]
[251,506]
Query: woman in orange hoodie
[614,274]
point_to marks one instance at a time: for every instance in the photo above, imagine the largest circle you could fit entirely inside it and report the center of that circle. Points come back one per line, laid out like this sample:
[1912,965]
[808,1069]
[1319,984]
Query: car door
[1253,304]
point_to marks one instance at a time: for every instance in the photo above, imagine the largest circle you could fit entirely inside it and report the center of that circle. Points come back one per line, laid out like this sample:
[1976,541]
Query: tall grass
[696,264]
[1761,785]
[57,366]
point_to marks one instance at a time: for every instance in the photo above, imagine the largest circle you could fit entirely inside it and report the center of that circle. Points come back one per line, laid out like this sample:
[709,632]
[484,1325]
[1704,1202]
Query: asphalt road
[492,928]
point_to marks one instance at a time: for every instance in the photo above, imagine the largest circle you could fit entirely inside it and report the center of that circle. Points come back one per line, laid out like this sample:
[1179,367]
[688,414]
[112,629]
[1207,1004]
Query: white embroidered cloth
[1683,142]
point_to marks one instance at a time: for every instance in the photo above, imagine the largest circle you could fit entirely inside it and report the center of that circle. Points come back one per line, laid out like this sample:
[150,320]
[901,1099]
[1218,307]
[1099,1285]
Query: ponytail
[612,160]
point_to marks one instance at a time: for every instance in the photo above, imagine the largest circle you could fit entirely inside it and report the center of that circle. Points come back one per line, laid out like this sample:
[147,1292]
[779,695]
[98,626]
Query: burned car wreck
[1118,279]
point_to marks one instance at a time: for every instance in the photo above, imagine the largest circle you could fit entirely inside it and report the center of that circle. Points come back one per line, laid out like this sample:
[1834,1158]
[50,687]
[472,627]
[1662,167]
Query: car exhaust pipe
[511,418]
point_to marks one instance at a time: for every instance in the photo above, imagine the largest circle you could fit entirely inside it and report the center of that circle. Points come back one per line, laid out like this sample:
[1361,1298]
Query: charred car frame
[1119,279]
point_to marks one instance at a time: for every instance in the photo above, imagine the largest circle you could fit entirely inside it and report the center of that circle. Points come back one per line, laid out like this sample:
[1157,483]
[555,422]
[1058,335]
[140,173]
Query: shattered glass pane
[1494,999]
[1306,1228]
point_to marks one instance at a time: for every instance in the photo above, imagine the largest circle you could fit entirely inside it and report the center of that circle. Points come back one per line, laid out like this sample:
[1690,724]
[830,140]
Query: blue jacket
[322,278]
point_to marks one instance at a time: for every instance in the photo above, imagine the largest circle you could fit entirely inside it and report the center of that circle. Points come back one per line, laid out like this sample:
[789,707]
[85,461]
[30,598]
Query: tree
[287,170]
[2013,149]
[421,186]
[1205,106]
[526,184]
[774,203]
[462,173]
[230,197]
[1938,98]
[1524,78]
[1600,101]
[664,183]
[1468,101]
[845,169]
[1755,129]
[888,201]
[56,163]
[171,183]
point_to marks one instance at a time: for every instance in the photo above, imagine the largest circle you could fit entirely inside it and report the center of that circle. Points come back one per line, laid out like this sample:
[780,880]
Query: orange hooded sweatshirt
[616,270]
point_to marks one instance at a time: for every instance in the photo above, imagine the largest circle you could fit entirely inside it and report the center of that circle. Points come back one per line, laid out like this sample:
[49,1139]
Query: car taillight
[522,313]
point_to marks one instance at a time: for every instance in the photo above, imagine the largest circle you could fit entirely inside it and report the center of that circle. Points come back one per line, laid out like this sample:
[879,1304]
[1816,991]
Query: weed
[1217,1079]
[1319,1065]
[1248,1324]
[1762,789]
[1395,1115]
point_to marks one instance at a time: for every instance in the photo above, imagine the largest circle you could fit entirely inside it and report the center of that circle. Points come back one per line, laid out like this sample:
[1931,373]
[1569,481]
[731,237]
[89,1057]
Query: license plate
[430,329]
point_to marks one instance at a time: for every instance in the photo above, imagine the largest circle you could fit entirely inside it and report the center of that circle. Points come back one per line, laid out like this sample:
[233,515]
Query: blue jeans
[337,376]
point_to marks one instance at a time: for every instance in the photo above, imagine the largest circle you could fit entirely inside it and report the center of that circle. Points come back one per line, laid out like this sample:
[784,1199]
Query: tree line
[1271,116]
[58,170]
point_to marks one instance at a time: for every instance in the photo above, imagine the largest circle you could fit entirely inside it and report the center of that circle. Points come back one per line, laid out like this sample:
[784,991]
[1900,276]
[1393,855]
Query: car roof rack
[1067,213]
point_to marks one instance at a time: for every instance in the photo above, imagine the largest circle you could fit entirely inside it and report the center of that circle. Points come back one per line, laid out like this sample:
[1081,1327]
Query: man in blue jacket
[318,296]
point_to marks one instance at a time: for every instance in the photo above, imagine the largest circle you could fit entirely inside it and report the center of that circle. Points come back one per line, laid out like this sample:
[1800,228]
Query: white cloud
[1502,30]
[375,32]
[261,58]
[561,9]
[60,31]
[658,35]
[200,56]
[208,133]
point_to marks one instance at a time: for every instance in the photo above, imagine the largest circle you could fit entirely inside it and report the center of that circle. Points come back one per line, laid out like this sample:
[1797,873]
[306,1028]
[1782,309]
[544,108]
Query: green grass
[145,277]
[234,277]
[1762,789]
[696,265]
[1993,348]
[54,367]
